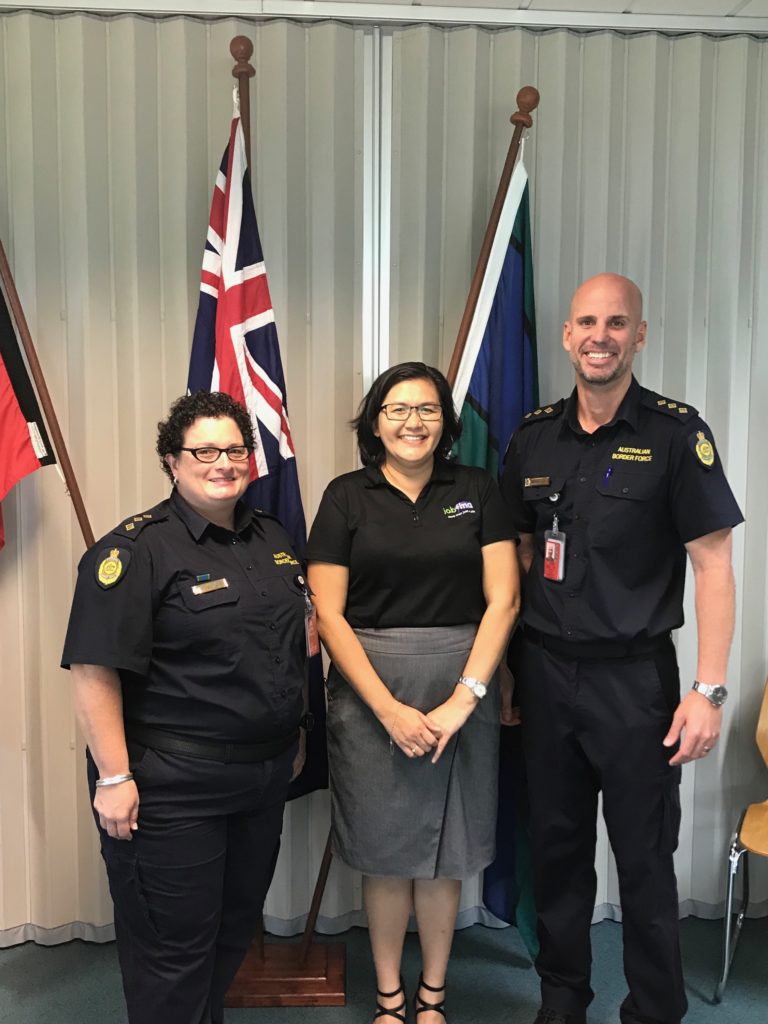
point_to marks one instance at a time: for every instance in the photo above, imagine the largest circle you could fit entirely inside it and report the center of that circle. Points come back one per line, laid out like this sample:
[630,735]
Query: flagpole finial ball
[241,49]
[527,100]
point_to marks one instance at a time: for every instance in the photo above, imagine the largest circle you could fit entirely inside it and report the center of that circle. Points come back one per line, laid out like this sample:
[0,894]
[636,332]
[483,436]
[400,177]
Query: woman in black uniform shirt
[415,584]
[186,643]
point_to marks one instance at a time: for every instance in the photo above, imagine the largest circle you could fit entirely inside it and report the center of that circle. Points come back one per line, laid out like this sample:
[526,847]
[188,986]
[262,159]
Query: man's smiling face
[605,329]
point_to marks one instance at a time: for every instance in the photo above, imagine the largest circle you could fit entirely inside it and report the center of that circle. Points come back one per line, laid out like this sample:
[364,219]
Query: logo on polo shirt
[461,508]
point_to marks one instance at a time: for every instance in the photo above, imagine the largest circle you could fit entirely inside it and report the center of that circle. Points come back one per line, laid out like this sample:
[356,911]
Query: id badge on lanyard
[311,636]
[554,553]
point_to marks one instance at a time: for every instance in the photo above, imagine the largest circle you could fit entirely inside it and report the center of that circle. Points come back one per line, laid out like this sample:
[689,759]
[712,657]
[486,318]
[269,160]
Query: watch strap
[715,694]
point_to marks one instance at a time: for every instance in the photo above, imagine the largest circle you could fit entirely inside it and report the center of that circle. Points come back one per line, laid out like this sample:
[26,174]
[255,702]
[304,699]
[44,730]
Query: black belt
[209,750]
[596,648]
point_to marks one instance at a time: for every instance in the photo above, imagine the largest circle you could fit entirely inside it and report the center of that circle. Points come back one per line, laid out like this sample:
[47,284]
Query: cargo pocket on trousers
[125,885]
[671,814]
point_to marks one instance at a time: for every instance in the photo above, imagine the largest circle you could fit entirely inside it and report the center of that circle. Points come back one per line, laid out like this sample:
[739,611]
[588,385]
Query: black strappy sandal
[398,1012]
[420,1006]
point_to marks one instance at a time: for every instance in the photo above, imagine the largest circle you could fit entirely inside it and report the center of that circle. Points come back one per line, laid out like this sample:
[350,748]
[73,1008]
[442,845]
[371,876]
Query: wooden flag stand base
[280,975]
[304,973]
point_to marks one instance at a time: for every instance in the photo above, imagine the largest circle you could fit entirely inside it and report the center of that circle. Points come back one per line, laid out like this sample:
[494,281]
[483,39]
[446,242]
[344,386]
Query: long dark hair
[364,424]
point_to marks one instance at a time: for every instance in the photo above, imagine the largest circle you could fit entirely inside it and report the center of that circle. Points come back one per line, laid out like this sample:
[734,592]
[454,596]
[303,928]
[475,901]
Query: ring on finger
[414,750]
[706,749]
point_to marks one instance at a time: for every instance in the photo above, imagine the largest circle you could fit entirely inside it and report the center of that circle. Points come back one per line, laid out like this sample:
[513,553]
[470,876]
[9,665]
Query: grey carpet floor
[491,980]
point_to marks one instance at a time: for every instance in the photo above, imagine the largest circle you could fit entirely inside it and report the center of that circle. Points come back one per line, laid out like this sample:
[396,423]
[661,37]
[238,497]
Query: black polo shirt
[628,497]
[226,663]
[410,563]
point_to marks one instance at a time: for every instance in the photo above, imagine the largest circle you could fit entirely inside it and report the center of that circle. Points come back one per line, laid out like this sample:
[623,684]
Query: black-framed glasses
[235,453]
[399,411]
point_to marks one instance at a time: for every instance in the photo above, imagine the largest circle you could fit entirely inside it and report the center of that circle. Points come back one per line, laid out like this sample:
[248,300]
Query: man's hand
[118,809]
[510,715]
[699,722]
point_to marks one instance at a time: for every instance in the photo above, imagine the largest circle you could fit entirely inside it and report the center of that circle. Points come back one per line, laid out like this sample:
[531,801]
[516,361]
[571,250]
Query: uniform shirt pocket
[202,624]
[543,489]
[630,485]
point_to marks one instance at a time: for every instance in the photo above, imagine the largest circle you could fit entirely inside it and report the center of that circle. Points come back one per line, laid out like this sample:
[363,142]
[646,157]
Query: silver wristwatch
[716,695]
[479,689]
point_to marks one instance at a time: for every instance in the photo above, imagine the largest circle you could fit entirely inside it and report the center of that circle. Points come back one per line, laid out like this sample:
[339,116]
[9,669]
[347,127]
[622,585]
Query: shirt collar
[442,472]
[197,524]
[628,410]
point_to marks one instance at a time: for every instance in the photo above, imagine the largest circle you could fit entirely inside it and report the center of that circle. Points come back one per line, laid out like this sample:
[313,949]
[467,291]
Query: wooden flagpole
[527,100]
[43,394]
[306,973]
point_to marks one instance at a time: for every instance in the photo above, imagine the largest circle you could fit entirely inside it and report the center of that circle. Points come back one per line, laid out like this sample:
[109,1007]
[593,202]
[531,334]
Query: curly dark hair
[199,405]
[370,447]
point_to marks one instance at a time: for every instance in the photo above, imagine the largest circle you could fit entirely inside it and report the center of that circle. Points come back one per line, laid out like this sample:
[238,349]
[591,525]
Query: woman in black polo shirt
[415,582]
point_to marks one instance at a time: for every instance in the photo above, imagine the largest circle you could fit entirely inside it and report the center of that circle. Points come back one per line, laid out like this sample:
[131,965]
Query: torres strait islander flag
[235,349]
[496,384]
[497,379]
[24,444]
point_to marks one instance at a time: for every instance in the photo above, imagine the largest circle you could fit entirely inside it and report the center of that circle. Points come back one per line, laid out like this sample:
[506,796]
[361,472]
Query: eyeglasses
[428,411]
[235,453]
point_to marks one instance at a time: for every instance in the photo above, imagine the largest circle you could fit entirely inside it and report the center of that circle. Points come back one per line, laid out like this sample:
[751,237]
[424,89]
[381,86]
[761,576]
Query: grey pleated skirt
[405,817]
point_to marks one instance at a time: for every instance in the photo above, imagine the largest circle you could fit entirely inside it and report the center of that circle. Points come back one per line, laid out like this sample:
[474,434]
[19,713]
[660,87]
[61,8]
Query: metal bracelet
[114,780]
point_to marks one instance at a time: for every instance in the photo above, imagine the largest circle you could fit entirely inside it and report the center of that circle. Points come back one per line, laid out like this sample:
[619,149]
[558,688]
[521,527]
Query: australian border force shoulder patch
[703,448]
[111,566]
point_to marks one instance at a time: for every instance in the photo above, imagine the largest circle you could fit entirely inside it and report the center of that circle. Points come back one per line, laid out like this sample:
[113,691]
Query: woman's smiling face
[412,442]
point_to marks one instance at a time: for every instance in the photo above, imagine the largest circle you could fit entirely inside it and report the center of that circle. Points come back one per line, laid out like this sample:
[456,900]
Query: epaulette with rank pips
[266,515]
[680,411]
[544,412]
[130,528]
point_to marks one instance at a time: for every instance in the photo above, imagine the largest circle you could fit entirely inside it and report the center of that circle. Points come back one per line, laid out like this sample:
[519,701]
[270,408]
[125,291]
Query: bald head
[619,285]
[605,330]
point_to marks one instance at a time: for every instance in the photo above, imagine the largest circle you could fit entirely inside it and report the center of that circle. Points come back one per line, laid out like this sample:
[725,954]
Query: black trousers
[592,726]
[189,888]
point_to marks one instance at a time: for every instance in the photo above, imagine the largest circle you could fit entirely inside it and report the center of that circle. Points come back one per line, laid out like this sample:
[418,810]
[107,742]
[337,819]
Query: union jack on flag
[235,347]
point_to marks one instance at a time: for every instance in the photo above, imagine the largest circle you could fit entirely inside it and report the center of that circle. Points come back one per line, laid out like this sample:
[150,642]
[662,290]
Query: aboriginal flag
[24,444]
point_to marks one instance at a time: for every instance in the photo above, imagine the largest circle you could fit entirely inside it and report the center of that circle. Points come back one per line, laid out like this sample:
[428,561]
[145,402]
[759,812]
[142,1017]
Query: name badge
[206,588]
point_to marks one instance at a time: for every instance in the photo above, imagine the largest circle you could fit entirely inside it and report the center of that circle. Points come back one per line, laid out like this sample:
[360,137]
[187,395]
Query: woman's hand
[301,756]
[451,715]
[510,715]
[414,732]
[118,809]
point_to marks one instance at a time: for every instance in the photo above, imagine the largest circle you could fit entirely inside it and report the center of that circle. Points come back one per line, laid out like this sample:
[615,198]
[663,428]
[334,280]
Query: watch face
[719,694]
[480,689]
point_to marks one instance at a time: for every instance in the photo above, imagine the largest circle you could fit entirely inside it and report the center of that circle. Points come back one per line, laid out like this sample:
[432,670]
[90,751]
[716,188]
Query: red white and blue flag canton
[235,347]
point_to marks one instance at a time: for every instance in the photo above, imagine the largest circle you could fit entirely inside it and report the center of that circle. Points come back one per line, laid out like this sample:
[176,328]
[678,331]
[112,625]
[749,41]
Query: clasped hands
[417,734]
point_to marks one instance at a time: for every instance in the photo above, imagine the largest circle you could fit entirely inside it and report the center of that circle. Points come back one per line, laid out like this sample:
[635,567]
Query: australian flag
[235,349]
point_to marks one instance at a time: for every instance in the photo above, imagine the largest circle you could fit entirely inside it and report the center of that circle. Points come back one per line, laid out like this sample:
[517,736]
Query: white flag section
[490,283]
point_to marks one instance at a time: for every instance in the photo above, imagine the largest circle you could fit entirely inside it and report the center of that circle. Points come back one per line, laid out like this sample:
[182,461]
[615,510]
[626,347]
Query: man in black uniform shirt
[609,489]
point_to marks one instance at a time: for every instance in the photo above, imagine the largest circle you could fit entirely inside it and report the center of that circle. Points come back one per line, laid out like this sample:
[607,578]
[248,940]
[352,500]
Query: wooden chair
[751,836]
